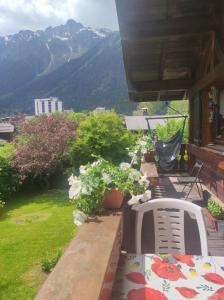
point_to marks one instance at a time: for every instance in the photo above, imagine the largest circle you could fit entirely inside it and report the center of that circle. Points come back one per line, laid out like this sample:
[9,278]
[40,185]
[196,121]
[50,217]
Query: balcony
[88,268]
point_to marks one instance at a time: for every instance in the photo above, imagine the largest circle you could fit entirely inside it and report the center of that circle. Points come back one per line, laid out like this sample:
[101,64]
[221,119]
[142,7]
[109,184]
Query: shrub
[41,145]
[48,263]
[2,204]
[102,135]
[216,210]
[8,176]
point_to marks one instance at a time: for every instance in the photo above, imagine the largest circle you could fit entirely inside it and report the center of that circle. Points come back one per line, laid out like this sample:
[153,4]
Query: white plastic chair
[169,224]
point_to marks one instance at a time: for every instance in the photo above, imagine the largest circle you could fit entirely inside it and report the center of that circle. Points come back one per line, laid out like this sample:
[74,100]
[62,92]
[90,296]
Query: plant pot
[150,156]
[113,199]
[220,228]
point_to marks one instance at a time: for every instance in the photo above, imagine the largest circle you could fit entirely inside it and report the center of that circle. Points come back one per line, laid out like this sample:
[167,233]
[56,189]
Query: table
[169,277]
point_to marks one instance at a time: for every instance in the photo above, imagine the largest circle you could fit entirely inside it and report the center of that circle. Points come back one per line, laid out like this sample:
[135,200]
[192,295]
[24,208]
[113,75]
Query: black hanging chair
[167,151]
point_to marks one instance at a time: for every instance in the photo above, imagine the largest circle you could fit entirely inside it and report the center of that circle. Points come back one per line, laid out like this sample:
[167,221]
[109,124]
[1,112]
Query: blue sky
[16,15]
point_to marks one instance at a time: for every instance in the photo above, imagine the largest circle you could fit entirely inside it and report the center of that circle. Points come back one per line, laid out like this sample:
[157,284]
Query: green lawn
[32,227]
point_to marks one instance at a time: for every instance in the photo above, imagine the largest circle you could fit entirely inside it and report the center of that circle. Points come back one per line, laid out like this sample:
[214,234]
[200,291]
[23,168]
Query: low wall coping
[80,272]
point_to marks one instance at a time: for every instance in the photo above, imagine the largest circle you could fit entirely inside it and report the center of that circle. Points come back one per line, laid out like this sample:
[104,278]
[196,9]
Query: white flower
[106,178]
[135,200]
[97,162]
[82,170]
[70,179]
[75,188]
[85,190]
[143,180]
[143,143]
[125,165]
[79,217]
[134,174]
[130,153]
[144,150]
[147,196]
[143,197]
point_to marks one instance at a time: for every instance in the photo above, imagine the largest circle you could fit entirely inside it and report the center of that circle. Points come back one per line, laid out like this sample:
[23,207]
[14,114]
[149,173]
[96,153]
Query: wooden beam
[161,85]
[209,79]
[140,31]
[153,96]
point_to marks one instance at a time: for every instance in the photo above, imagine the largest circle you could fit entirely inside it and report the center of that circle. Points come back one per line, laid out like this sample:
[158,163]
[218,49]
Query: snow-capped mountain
[28,55]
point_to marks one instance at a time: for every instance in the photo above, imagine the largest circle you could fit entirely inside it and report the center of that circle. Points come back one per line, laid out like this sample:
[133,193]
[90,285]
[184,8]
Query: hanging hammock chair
[167,151]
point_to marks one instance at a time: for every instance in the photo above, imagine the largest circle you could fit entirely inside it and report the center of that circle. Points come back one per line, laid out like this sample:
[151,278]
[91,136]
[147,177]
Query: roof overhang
[163,42]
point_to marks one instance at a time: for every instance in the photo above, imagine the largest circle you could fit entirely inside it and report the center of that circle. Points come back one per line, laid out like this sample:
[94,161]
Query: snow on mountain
[30,54]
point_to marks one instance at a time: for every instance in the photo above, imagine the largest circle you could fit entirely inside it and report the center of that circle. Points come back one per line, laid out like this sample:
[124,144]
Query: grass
[32,227]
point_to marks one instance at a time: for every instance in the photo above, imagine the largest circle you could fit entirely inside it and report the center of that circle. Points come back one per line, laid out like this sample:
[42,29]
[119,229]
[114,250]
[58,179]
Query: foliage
[160,107]
[181,106]
[142,146]
[8,176]
[170,128]
[76,116]
[41,145]
[154,108]
[24,246]
[48,263]
[95,179]
[104,135]
[7,151]
[216,210]
[2,204]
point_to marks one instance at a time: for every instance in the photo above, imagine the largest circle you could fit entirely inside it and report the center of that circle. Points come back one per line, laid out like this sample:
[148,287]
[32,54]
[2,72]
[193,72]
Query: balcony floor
[171,188]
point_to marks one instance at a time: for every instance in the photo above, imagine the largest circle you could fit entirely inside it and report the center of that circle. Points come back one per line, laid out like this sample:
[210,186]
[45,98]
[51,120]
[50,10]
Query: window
[219,110]
[49,107]
[43,108]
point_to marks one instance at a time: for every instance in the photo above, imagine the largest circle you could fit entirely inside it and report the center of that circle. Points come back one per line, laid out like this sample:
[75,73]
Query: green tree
[102,135]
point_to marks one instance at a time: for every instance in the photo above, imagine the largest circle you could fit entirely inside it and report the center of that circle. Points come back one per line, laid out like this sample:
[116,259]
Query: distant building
[135,123]
[6,131]
[48,106]
[99,110]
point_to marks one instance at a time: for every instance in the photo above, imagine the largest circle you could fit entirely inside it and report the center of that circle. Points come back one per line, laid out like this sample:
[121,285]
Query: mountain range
[80,65]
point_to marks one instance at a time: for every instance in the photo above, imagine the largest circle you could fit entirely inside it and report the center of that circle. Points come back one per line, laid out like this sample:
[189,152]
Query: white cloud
[38,14]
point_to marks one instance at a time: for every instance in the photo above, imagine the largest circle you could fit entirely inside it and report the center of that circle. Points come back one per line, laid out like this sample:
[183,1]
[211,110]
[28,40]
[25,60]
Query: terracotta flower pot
[113,199]
[150,156]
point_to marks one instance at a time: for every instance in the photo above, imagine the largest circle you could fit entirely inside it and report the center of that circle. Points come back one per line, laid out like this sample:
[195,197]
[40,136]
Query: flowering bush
[41,146]
[141,147]
[87,190]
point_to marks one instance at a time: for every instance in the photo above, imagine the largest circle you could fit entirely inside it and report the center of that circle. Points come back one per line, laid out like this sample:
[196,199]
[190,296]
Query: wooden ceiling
[163,42]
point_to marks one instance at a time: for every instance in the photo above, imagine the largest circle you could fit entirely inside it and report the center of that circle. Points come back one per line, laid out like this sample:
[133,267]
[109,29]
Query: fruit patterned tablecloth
[173,277]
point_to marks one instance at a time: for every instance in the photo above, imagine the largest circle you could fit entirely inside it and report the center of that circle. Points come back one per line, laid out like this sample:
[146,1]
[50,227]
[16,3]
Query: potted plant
[103,185]
[140,152]
[217,216]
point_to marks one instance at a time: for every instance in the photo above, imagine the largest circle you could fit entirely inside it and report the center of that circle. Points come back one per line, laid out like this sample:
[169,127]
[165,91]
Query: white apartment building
[48,106]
